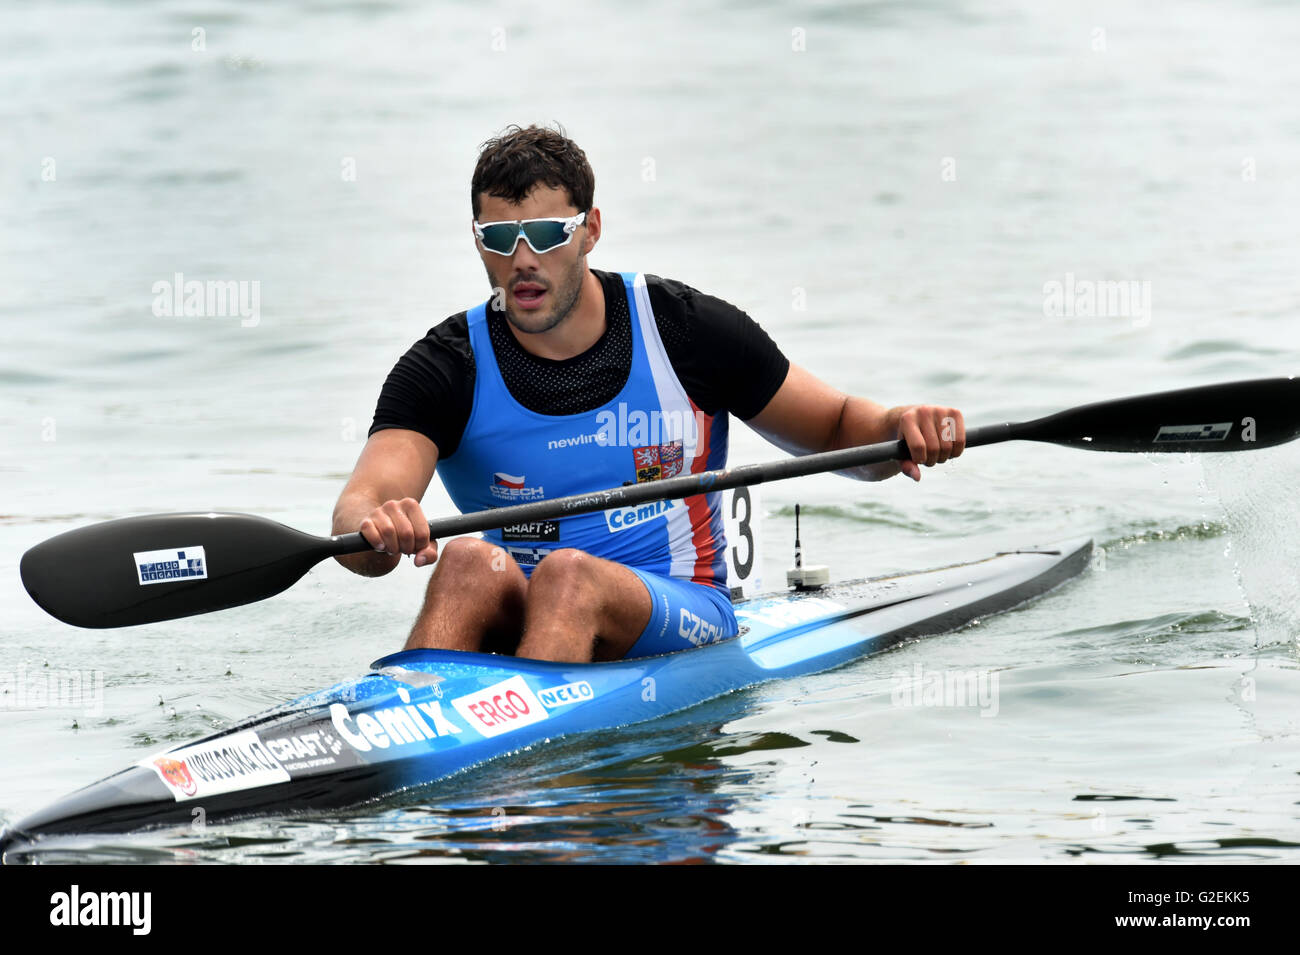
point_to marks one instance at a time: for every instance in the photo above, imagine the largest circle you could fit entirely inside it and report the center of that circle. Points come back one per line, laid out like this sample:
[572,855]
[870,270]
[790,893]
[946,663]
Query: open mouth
[529,295]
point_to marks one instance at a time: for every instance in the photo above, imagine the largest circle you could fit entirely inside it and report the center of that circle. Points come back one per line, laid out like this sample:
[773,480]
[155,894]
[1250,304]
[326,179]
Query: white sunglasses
[542,235]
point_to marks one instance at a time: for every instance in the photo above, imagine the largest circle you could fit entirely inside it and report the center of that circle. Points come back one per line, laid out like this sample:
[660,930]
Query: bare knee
[580,606]
[467,557]
[564,571]
[474,600]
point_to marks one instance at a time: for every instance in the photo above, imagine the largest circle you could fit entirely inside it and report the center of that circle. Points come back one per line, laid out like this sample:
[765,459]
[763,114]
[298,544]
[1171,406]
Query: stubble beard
[566,299]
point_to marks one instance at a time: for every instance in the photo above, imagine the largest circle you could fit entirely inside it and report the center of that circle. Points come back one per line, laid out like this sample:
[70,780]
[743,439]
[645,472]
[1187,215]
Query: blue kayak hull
[423,715]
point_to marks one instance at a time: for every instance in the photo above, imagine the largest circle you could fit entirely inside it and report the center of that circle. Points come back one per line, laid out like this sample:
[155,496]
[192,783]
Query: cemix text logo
[393,725]
[621,518]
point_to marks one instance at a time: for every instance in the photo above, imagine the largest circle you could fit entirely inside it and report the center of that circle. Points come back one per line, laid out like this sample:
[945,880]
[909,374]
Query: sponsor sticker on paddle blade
[1177,433]
[171,565]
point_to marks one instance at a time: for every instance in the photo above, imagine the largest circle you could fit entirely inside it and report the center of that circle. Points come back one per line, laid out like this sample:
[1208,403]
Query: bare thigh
[580,608]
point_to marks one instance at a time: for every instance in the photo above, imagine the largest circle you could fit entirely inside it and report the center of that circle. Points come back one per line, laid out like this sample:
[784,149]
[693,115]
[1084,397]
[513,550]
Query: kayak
[420,716]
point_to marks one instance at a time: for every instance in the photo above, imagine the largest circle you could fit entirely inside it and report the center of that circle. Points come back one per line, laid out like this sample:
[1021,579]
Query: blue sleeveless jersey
[650,431]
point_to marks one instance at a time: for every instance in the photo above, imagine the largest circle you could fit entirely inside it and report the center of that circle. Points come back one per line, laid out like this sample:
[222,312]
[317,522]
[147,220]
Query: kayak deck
[423,715]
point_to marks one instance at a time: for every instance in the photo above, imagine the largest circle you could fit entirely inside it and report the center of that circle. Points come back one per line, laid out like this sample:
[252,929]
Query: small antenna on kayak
[800,577]
[798,548]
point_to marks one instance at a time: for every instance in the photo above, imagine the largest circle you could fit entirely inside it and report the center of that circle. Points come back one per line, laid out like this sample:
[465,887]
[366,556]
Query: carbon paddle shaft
[164,566]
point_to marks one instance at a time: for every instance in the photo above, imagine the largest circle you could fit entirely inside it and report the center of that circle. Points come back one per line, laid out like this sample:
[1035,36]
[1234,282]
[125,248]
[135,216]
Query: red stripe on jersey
[697,506]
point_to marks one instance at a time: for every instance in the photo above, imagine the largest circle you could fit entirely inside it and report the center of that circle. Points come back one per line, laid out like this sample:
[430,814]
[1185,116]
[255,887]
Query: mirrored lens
[544,236]
[501,237]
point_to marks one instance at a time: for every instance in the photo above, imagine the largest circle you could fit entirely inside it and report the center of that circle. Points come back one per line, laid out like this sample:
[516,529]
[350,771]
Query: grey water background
[889,188]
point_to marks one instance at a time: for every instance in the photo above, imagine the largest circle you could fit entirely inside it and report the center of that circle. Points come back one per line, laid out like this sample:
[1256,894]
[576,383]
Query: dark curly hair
[510,165]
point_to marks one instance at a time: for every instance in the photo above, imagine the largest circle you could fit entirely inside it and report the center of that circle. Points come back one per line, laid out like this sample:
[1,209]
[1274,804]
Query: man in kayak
[568,380]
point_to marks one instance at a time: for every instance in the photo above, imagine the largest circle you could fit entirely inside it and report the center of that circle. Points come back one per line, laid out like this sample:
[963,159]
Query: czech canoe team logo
[176,774]
[512,487]
[658,461]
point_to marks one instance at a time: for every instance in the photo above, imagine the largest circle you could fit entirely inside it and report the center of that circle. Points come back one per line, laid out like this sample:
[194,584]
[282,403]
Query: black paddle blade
[1235,416]
[144,569]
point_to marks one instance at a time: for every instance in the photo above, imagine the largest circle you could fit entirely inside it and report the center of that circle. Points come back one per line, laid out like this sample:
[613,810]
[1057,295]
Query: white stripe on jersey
[676,406]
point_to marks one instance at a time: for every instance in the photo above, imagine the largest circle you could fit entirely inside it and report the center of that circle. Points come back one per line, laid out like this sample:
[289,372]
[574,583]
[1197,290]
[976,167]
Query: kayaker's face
[539,290]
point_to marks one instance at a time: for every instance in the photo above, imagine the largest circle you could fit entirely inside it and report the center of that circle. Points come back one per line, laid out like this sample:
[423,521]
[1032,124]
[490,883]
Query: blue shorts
[683,614]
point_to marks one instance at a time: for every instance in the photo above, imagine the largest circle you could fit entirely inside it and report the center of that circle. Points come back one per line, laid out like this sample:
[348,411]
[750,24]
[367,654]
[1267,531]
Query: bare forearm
[863,421]
[807,415]
[382,501]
